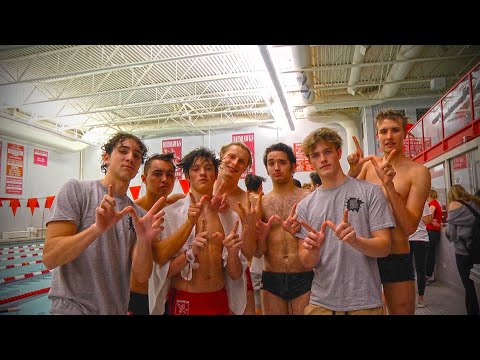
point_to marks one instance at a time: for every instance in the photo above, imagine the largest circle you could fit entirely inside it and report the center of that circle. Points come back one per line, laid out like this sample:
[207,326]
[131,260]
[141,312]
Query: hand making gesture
[385,171]
[291,224]
[105,215]
[314,239]
[356,159]
[219,201]
[233,240]
[195,208]
[344,230]
[149,226]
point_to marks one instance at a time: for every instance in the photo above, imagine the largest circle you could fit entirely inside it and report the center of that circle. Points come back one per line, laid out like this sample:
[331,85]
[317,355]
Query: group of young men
[328,251]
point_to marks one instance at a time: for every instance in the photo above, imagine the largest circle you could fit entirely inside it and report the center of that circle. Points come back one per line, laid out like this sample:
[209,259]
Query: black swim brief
[396,268]
[287,286]
[138,304]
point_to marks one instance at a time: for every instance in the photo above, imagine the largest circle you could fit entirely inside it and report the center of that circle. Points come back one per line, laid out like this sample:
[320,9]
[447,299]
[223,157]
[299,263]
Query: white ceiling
[86,92]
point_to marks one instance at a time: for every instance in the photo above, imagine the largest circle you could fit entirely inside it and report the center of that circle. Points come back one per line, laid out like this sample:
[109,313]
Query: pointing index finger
[294,208]
[345,216]
[192,198]
[357,145]
[387,161]
[307,226]
[110,190]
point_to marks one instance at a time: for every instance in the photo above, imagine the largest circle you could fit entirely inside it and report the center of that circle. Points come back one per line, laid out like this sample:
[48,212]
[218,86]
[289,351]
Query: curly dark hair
[168,157]
[202,152]
[119,138]
[280,147]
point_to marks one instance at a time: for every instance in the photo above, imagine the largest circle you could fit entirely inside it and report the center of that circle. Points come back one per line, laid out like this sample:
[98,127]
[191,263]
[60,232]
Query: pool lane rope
[23,246]
[24,276]
[24,296]
[20,257]
[20,264]
[19,251]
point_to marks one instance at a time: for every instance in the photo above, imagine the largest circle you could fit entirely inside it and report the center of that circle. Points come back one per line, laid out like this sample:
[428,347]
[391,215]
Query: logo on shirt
[130,224]
[353,204]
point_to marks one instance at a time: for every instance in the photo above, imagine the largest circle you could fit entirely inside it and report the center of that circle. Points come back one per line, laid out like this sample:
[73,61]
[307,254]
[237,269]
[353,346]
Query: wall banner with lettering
[303,164]
[40,157]
[249,140]
[174,146]
[14,178]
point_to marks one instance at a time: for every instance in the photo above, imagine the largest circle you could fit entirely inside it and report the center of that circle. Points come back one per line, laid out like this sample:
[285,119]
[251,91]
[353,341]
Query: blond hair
[458,192]
[224,149]
[322,134]
[433,194]
[391,114]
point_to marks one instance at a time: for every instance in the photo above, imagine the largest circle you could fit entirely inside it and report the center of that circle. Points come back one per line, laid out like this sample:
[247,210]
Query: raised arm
[165,249]
[62,242]
[147,228]
[408,211]
[248,216]
[233,243]
[379,245]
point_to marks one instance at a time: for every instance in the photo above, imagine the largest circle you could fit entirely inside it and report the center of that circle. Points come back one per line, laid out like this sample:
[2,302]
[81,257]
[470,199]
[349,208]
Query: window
[464,169]
[420,112]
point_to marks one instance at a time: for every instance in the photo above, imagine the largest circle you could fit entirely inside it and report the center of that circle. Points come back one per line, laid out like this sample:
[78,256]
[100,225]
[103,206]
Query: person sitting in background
[418,248]
[460,231]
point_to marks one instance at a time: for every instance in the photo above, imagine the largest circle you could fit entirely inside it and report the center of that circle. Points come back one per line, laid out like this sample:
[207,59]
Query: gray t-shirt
[98,280]
[345,279]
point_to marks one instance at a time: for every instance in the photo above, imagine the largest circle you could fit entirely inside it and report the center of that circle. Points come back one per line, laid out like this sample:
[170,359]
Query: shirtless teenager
[159,178]
[286,282]
[207,275]
[406,191]
[235,160]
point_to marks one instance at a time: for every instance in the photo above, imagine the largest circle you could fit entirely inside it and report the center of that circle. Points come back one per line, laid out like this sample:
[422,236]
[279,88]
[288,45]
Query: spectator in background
[460,231]
[316,181]
[254,184]
[297,183]
[433,230]
[418,249]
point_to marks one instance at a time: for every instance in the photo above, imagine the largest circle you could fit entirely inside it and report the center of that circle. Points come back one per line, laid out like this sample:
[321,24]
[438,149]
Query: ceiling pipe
[358,56]
[350,125]
[387,92]
[302,58]
[399,71]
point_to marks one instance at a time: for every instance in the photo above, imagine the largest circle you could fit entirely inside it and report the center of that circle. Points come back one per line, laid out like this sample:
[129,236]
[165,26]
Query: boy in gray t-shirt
[342,227]
[92,247]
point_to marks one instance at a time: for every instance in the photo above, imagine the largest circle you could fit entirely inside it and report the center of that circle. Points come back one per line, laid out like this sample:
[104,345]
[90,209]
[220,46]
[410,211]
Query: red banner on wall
[303,164]
[249,140]
[14,178]
[174,146]
[40,157]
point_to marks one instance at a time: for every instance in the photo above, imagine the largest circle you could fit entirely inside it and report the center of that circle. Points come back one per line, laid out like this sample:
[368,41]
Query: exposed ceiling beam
[380,63]
[102,70]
